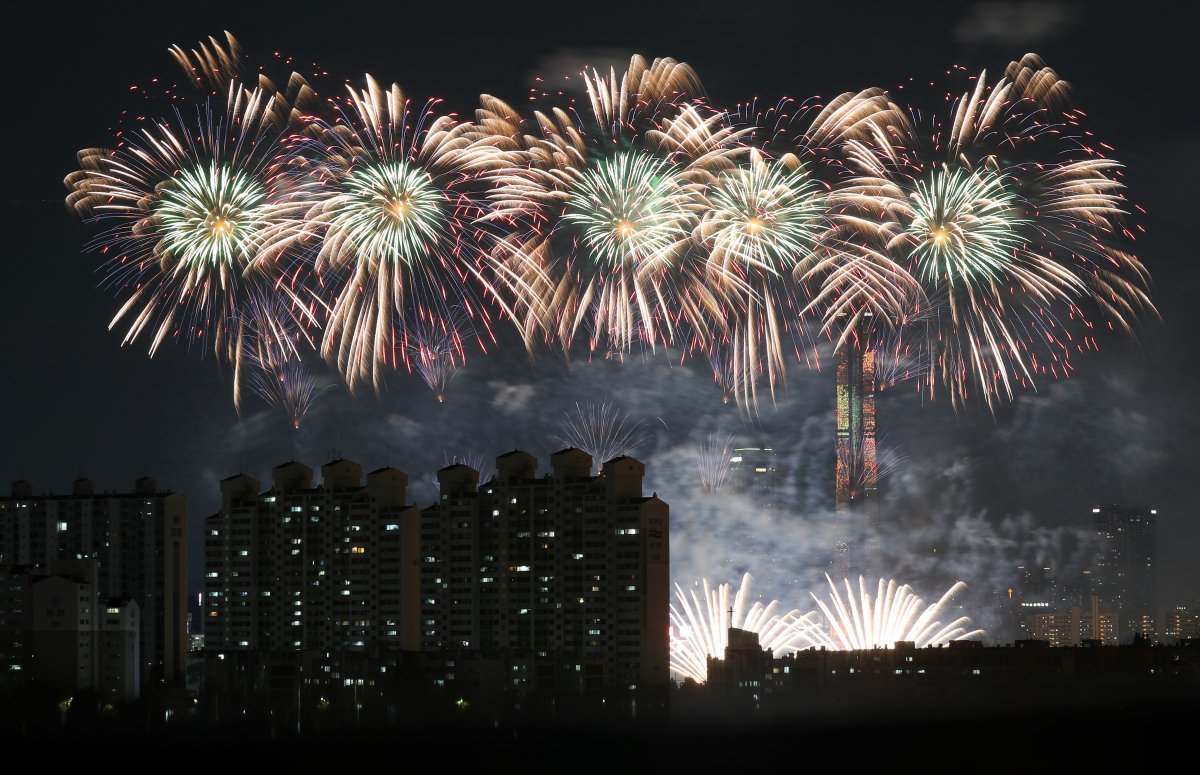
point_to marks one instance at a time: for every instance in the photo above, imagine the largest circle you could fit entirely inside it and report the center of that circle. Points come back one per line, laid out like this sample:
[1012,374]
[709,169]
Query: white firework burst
[895,613]
[701,620]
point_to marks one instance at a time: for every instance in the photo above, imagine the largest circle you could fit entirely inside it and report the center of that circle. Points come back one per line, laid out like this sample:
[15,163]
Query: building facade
[56,631]
[304,567]
[138,541]
[1126,562]
[561,574]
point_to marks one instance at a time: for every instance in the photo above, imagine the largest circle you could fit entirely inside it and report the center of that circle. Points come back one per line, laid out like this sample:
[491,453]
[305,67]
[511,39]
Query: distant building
[56,632]
[1061,614]
[566,574]
[138,541]
[1022,678]
[1124,574]
[754,470]
[1176,623]
[312,567]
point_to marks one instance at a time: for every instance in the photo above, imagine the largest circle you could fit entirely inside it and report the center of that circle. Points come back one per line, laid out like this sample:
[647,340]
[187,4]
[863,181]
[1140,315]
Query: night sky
[971,496]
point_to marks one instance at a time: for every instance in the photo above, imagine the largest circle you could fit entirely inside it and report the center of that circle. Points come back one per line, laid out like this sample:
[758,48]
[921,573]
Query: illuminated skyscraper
[857,471]
[1125,561]
[856,474]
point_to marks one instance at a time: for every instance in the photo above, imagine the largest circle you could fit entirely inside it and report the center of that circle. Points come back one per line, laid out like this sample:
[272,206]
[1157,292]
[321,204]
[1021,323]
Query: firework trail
[893,614]
[435,348]
[481,463]
[714,462]
[601,430]
[700,622]
[271,331]
[289,386]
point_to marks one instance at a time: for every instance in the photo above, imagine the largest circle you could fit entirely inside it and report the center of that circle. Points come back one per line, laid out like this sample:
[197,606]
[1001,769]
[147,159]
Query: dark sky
[974,495]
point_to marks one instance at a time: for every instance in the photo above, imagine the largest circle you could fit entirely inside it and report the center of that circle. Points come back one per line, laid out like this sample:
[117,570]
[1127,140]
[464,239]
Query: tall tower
[856,474]
[1125,560]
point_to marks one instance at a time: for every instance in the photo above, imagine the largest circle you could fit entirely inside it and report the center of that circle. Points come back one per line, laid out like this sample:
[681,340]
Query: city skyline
[976,496]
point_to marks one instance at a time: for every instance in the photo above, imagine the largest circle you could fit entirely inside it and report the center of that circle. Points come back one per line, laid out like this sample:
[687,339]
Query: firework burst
[1012,222]
[608,204]
[289,386]
[601,430]
[391,210]
[189,207]
[760,222]
[893,614]
[701,618]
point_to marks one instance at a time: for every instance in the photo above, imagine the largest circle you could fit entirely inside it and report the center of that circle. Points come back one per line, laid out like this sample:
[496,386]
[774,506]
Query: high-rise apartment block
[567,570]
[304,567]
[138,544]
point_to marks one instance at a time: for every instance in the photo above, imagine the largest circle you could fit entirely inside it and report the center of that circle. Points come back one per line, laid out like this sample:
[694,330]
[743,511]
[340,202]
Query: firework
[700,622]
[392,209]
[215,65]
[289,386]
[189,207]
[608,204]
[893,614]
[481,463]
[714,462]
[601,430]
[760,222]
[435,349]
[1009,224]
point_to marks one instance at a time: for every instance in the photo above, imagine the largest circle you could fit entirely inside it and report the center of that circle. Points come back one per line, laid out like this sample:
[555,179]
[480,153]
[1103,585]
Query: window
[392,527]
[62,527]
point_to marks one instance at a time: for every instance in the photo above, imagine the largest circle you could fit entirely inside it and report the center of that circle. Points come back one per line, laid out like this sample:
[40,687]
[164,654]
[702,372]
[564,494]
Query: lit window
[358,550]
[392,527]
[62,527]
